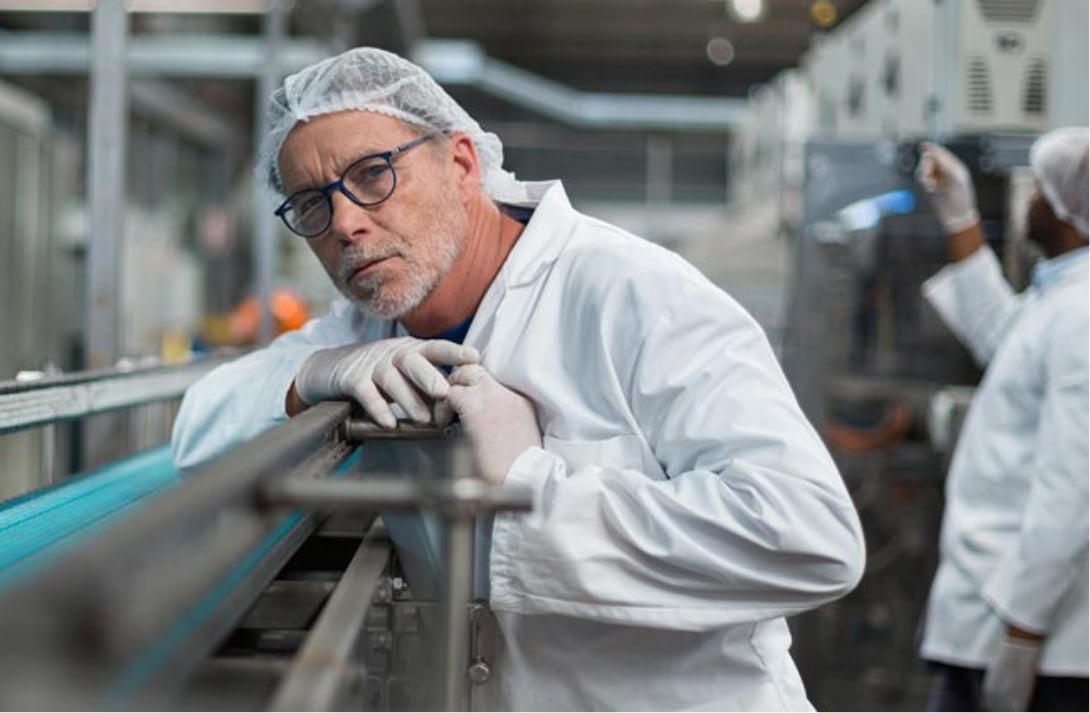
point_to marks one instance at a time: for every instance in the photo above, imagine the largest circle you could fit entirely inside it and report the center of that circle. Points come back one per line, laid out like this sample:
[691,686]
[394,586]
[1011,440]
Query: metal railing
[121,621]
[55,398]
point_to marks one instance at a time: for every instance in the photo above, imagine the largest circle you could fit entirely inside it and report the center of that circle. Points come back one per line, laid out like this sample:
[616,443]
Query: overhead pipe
[463,62]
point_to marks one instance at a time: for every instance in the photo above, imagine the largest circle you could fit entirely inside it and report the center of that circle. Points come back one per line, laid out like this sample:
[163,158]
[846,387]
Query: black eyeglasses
[366,182]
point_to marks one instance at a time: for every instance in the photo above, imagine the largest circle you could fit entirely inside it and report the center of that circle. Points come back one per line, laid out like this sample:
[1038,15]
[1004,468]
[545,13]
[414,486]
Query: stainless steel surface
[321,670]
[25,405]
[463,495]
[123,620]
[362,429]
[480,668]
[106,201]
[288,605]
[119,621]
[175,55]
[106,177]
[266,233]
[454,621]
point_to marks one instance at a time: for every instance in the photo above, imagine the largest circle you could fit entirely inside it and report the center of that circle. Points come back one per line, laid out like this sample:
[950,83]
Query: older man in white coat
[683,505]
[1007,618]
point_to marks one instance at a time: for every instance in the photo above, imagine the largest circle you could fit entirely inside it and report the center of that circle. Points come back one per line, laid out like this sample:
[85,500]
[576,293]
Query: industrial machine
[886,384]
[900,68]
[263,580]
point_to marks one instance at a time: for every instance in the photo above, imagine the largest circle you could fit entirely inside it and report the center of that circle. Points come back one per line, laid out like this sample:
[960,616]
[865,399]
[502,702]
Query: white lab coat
[1014,534]
[683,504]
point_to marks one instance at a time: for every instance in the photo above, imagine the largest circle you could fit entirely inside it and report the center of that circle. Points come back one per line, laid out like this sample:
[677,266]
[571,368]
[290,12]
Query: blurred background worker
[1007,617]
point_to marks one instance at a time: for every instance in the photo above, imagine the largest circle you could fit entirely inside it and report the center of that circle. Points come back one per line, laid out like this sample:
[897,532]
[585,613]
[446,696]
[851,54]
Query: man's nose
[350,222]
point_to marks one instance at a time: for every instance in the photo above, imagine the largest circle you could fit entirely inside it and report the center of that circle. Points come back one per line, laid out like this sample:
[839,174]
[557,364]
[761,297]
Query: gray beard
[386,306]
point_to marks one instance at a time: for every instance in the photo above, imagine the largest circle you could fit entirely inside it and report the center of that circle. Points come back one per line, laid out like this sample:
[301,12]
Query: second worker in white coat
[1006,625]
[683,505]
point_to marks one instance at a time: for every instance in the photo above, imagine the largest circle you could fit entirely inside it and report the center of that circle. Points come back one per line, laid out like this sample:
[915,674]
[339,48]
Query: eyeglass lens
[366,182]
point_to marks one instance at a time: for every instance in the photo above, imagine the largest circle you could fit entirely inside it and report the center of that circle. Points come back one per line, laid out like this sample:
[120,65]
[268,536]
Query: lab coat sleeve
[975,302]
[239,400]
[752,521]
[1035,575]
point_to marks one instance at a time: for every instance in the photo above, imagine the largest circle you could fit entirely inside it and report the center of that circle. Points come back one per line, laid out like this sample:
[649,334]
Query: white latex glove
[404,370]
[1009,681]
[499,422]
[947,181]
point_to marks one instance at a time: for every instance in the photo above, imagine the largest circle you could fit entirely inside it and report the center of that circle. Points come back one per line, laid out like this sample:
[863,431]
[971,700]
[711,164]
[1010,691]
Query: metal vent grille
[891,75]
[979,86]
[1034,97]
[1009,10]
[856,97]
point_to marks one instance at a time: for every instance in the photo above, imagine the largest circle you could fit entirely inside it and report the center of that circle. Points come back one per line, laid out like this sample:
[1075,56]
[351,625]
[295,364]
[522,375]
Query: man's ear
[467,165]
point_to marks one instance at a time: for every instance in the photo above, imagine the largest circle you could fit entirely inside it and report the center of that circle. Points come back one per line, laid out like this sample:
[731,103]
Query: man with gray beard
[683,505]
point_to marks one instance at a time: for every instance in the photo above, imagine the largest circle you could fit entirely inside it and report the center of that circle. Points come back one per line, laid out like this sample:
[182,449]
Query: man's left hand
[500,423]
[1009,681]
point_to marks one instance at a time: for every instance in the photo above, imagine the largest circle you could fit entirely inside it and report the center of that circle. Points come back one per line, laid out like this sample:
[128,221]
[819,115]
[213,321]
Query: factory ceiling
[653,46]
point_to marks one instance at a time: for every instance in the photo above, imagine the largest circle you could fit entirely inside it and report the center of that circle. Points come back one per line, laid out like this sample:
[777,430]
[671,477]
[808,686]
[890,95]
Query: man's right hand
[947,181]
[404,370]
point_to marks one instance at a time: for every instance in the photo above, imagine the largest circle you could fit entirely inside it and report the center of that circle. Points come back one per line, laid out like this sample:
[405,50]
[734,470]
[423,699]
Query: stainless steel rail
[26,404]
[121,621]
[314,681]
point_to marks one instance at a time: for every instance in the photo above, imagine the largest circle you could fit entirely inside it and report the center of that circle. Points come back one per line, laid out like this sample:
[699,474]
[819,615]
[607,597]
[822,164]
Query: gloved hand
[500,423]
[404,370]
[947,181]
[1009,680]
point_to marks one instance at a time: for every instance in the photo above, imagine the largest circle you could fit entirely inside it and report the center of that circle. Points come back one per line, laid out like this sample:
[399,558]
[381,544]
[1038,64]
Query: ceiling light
[746,10]
[720,51]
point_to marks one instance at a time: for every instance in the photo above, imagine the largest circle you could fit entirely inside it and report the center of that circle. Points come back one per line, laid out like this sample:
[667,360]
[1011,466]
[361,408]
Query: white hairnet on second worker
[1059,161]
[369,79]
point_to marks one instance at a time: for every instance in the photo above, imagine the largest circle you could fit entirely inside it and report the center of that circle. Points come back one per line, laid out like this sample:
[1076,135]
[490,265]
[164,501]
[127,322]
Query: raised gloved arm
[404,371]
[947,182]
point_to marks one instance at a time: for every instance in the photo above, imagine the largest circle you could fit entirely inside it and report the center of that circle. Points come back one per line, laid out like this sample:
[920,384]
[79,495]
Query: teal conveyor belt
[38,527]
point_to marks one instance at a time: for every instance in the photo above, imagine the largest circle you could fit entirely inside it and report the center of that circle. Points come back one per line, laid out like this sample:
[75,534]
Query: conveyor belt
[38,527]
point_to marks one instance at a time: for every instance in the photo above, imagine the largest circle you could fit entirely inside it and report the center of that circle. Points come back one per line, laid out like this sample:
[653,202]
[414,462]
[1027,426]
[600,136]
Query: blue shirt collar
[1049,272]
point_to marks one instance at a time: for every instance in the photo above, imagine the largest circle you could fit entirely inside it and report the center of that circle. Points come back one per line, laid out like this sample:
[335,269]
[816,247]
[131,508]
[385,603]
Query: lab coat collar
[543,238]
[1059,269]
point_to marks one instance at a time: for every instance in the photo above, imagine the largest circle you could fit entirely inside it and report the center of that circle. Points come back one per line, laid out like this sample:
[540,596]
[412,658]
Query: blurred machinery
[823,159]
[886,384]
[904,70]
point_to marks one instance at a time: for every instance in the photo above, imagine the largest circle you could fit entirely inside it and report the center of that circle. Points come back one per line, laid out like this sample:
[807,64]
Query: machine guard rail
[121,621]
[26,404]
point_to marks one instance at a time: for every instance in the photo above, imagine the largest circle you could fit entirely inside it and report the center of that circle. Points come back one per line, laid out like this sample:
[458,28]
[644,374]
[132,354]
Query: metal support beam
[119,621]
[37,403]
[464,62]
[265,229]
[450,496]
[318,676]
[174,55]
[106,178]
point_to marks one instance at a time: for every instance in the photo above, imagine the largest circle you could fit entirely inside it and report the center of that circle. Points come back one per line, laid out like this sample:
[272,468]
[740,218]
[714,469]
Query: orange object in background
[289,310]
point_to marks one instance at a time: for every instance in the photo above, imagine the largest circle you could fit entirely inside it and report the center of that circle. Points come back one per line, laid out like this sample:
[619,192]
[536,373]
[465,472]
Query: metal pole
[106,178]
[106,139]
[457,585]
[265,231]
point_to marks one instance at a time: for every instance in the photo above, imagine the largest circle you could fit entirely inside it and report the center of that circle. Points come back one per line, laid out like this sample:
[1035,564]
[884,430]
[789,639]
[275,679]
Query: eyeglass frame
[338,185]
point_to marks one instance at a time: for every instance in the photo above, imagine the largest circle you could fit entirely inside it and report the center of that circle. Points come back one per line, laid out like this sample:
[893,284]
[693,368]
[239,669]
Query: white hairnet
[369,79]
[1059,162]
